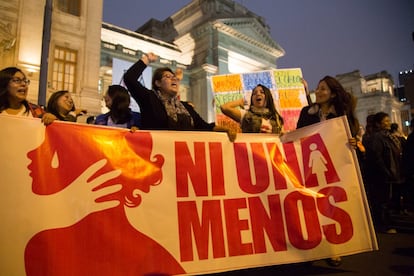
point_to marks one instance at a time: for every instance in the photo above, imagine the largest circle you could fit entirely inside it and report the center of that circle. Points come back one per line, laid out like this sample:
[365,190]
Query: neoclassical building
[375,93]
[205,37]
[74,50]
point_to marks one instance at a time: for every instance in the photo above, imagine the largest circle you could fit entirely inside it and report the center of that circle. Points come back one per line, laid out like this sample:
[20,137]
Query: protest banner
[78,199]
[285,84]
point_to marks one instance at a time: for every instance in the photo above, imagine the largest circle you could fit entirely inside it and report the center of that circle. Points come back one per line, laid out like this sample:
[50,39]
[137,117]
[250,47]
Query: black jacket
[153,113]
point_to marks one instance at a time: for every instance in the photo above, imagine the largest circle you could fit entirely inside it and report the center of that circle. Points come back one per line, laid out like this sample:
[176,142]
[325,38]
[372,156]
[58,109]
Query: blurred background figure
[117,100]
[384,172]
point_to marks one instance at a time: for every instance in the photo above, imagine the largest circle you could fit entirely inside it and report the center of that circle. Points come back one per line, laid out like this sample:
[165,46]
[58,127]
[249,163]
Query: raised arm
[232,109]
[132,75]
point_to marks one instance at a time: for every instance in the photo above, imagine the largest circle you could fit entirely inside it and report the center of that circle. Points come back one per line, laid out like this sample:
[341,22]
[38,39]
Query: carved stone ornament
[7,39]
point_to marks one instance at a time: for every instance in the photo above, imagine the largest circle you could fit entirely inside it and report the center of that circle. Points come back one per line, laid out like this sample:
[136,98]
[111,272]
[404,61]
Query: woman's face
[18,88]
[323,93]
[258,97]
[386,123]
[65,104]
[168,84]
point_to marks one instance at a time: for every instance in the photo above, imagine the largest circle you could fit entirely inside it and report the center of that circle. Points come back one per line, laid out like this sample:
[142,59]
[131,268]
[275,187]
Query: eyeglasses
[20,81]
[169,76]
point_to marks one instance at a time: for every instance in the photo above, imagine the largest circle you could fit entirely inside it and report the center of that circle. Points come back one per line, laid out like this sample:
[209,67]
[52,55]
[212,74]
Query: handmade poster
[285,84]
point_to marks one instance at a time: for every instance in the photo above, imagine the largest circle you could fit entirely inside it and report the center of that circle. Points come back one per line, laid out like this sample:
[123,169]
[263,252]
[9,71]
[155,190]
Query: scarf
[252,120]
[393,138]
[173,106]
[315,109]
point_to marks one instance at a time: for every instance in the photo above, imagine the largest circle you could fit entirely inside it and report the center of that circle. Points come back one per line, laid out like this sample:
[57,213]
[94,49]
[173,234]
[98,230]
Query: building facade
[74,49]
[375,93]
[203,38]
[406,87]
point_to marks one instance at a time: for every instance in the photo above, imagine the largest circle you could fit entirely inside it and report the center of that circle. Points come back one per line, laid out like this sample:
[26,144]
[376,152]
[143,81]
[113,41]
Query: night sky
[323,37]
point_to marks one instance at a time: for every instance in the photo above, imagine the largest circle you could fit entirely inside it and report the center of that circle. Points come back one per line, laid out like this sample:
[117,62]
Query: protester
[331,101]
[369,131]
[384,172]
[367,143]
[261,117]
[396,131]
[117,100]
[60,106]
[161,107]
[14,87]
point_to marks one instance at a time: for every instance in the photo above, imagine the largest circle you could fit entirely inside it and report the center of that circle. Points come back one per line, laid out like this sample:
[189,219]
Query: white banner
[175,202]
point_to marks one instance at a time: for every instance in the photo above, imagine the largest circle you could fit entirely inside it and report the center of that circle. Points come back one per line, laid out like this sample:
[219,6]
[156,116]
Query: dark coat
[153,113]
[134,121]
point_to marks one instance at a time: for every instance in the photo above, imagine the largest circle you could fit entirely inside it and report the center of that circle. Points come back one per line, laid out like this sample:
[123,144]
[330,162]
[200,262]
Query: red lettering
[293,220]
[271,223]
[234,227]
[196,169]
[217,173]
[338,194]
[259,165]
[300,224]
[189,223]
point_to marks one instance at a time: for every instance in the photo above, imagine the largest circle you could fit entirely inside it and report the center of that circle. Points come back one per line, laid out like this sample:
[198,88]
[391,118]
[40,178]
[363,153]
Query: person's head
[382,121]
[118,101]
[13,87]
[262,97]
[165,81]
[117,96]
[331,92]
[60,104]
[369,127]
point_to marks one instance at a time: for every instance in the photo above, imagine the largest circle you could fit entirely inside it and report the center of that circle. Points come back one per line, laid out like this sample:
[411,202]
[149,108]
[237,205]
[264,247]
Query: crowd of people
[387,170]
[385,156]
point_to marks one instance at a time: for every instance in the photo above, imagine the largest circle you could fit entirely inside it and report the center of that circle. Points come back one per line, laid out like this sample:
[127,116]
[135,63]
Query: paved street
[395,257]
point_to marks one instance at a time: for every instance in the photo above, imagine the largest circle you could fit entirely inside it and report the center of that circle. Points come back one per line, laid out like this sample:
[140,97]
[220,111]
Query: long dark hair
[53,107]
[119,110]
[5,77]
[343,102]
[270,104]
